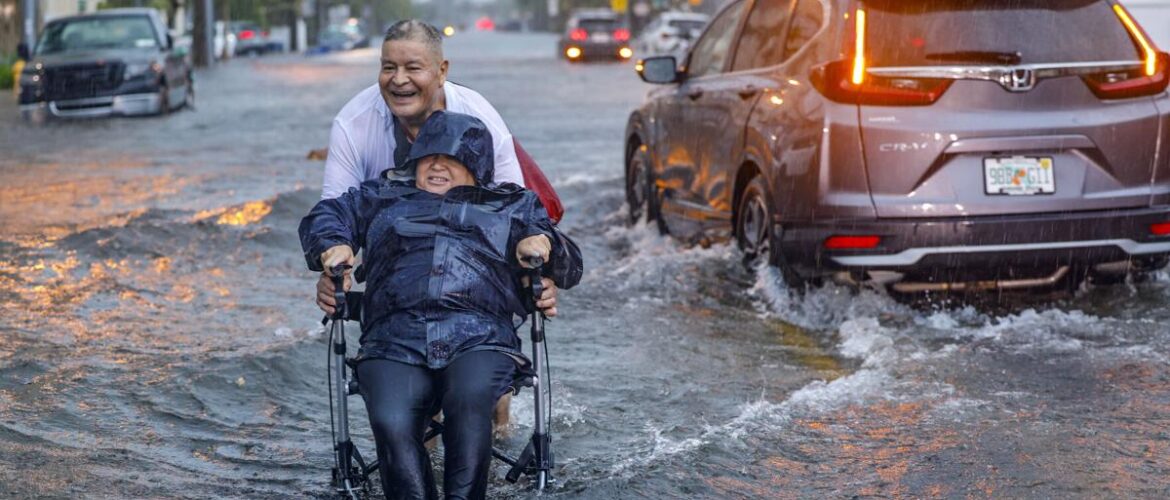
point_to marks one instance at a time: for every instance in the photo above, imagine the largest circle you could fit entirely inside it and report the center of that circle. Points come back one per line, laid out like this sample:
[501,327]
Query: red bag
[536,182]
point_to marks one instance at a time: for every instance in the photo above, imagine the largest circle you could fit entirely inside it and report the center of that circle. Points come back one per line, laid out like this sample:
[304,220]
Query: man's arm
[343,166]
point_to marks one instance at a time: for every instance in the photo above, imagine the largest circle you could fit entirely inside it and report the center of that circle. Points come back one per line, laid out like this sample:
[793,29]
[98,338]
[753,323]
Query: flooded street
[158,337]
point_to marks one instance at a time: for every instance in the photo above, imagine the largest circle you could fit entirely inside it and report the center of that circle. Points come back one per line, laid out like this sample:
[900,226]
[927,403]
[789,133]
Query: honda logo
[1018,79]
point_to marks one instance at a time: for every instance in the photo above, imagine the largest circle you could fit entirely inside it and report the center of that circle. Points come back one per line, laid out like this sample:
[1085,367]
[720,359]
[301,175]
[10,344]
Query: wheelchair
[351,475]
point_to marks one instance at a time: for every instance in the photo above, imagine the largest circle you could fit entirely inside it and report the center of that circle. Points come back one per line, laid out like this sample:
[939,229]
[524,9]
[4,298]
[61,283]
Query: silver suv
[930,145]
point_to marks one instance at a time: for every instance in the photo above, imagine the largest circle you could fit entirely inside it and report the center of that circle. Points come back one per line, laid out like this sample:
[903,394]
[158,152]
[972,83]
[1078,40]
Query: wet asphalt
[158,338]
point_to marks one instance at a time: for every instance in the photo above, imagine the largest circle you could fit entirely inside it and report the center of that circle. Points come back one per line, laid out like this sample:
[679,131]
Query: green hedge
[6,76]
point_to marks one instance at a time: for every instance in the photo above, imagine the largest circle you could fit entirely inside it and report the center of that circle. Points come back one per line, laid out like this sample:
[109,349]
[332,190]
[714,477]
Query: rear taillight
[247,34]
[1125,84]
[578,35]
[1160,229]
[1148,79]
[847,80]
[621,34]
[835,81]
[852,242]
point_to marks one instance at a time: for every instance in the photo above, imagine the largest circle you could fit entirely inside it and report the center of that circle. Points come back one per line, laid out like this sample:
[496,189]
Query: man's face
[439,173]
[410,79]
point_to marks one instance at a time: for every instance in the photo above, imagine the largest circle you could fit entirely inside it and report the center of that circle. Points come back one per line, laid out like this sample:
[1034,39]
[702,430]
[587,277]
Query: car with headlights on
[114,62]
[594,34]
[927,146]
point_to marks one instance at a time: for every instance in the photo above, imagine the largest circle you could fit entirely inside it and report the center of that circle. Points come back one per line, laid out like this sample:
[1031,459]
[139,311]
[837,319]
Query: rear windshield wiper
[977,56]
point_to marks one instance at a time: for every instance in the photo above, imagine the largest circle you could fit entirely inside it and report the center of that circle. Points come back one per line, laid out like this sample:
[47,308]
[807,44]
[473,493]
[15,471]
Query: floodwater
[158,337]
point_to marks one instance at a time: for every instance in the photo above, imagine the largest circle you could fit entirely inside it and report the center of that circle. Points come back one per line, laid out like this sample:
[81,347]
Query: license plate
[1019,176]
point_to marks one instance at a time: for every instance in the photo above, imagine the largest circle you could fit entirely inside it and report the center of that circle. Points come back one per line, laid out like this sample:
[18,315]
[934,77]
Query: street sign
[619,5]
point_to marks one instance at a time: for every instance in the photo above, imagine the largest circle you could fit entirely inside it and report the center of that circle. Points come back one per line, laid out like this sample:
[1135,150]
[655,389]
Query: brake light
[1149,55]
[1149,79]
[835,81]
[858,75]
[247,34]
[621,34]
[578,35]
[847,81]
[1160,229]
[852,242]
[1125,84]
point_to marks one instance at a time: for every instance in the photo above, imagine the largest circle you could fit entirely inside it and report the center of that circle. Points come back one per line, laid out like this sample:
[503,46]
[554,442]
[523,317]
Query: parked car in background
[942,145]
[113,62]
[252,40]
[340,37]
[671,33]
[594,34]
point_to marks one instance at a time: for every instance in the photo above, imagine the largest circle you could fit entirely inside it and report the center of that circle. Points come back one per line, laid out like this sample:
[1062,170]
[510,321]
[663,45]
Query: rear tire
[753,232]
[642,197]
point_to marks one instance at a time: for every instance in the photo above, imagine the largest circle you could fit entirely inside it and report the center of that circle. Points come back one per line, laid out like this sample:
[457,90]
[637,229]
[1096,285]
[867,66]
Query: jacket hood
[459,136]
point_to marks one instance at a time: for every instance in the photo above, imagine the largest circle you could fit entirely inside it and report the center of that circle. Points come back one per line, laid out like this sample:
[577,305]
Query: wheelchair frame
[351,473]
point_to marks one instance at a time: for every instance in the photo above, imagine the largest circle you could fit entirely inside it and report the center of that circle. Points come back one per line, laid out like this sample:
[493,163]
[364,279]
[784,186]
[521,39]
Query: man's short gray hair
[413,29]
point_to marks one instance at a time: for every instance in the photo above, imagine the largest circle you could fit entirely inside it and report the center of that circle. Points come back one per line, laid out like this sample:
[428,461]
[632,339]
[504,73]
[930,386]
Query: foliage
[7,76]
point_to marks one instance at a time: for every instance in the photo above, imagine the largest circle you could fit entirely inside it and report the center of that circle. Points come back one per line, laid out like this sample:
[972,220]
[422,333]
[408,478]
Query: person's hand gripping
[340,254]
[539,246]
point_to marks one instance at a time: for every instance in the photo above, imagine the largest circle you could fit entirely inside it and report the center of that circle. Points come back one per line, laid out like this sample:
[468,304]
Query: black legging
[400,399]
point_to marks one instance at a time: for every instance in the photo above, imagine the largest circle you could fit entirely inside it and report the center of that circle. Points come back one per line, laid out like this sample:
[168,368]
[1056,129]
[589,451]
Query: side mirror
[23,52]
[170,42]
[659,69]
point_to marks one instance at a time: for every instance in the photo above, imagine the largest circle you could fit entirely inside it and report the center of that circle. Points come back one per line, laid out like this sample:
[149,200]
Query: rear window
[597,24]
[1007,32]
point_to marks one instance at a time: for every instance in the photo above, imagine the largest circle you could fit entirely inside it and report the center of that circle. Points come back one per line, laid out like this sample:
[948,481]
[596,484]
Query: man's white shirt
[361,143]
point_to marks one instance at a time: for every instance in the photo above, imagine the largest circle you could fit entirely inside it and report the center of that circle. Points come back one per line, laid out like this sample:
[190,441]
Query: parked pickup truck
[114,62]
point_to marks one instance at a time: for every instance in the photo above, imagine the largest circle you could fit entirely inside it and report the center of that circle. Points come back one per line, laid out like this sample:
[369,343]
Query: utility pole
[203,50]
[30,23]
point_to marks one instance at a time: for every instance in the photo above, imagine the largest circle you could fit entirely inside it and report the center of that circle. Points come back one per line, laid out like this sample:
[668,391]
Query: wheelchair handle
[337,274]
[537,288]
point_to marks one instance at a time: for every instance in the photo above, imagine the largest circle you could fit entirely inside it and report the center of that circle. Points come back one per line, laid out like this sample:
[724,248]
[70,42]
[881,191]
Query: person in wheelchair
[445,248]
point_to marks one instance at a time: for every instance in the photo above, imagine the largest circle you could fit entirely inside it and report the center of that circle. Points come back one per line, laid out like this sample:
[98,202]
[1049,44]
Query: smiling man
[373,132]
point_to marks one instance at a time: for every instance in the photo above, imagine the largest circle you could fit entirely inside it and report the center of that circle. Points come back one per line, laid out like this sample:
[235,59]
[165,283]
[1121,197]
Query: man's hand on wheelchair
[340,254]
[539,246]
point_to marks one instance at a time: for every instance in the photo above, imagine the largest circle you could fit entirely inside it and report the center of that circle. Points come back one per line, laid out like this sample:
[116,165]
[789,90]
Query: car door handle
[695,94]
[748,92]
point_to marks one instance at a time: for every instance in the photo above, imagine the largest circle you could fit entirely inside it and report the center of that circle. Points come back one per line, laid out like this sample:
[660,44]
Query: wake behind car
[941,145]
[594,34]
[114,62]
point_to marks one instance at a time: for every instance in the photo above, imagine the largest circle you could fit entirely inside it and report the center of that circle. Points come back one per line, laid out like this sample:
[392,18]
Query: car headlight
[138,69]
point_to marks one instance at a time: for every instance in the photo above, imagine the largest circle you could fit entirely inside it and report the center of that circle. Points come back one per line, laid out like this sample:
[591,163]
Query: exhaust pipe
[916,287]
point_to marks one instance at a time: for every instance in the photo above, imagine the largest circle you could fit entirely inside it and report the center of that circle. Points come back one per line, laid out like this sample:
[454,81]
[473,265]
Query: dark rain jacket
[442,274]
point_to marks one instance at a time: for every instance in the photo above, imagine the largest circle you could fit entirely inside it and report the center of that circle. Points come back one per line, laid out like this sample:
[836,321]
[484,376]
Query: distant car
[341,37]
[671,33]
[114,62]
[252,40]
[594,34]
[928,146]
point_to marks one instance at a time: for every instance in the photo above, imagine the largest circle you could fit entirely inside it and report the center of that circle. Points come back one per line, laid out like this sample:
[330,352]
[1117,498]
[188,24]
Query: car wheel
[642,196]
[753,232]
